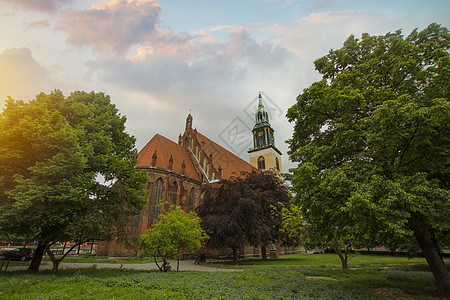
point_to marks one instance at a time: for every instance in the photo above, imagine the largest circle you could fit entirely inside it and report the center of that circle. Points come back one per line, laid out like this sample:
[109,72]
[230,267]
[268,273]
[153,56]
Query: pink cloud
[41,5]
[193,64]
[111,28]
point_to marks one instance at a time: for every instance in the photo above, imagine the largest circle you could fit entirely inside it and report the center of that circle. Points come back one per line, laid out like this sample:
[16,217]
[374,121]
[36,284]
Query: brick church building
[178,170]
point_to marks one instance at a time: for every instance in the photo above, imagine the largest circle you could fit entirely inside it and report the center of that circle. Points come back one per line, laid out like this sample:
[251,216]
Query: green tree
[371,139]
[327,224]
[174,231]
[292,223]
[53,149]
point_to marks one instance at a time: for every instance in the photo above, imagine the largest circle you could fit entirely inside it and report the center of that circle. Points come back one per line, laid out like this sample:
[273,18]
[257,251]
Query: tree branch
[408,143]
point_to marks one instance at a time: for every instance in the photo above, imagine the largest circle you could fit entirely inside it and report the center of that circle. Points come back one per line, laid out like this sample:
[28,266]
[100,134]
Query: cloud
[21,76]
[216,79]
[40,5]
[313,36]
[186,63]
[111,28]
[39,24]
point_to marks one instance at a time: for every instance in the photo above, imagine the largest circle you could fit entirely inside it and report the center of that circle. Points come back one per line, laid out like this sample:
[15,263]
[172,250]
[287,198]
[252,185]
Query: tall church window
[277,163]
[135,221]
[191,200]
[261,163]
[156,200]
[173,193]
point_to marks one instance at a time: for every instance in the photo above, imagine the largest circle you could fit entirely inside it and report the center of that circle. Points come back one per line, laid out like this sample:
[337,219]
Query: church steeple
[263,133]
[261,115]
[189,122]
[264,154]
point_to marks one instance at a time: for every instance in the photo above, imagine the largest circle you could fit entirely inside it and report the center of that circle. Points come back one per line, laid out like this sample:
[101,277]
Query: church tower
[264,155]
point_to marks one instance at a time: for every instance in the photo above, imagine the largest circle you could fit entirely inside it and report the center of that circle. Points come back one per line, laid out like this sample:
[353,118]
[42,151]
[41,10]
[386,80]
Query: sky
[161,60]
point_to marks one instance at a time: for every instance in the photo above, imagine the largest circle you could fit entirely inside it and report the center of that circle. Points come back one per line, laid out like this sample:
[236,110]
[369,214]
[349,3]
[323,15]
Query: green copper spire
[261,115]
[260,104]
[263,133]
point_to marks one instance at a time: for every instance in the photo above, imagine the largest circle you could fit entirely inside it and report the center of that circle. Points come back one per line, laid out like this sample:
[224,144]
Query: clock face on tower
[260,134]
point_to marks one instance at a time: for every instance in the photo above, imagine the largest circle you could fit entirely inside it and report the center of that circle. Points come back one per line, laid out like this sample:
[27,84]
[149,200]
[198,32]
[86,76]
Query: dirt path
[185,265]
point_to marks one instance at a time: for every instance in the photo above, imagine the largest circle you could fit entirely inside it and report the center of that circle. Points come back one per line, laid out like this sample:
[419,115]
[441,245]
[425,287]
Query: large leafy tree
[67,170]
[238,211]
[372,135]
[175,231]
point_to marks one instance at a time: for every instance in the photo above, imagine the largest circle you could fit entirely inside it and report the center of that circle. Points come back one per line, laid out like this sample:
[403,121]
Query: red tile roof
[229,162]
[164,149]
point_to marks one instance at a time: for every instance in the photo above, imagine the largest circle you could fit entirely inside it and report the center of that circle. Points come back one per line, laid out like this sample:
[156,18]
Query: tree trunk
[165,264]
[55,261]
[263,253]
[156,262]
[235,256]
[437,266]
[342,257]
[55,266]
[178,260]
[37,257]
[64,248]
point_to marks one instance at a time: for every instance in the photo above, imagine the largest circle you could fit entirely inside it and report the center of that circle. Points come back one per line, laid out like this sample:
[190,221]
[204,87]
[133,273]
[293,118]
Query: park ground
[315,276]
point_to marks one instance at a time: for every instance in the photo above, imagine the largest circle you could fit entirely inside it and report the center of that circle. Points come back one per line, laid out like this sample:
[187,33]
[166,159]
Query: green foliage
[174,231]
[372,145]
[291,222]
[52,151]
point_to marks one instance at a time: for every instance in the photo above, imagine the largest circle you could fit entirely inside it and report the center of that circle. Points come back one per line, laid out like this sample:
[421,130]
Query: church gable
[214,161]
[164,154]
[229,162]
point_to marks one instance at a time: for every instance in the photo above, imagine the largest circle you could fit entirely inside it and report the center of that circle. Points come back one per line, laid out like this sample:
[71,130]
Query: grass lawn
[331,260]
[287,278]
[323,260]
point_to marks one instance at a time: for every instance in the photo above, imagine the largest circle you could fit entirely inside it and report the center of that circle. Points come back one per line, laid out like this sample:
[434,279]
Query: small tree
[291,222]
[174,231]
[328,222]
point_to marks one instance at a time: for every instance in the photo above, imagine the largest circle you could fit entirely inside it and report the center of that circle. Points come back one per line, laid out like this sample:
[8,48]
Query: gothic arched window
[135,220]
[277,163]
[156,200]
[191,200]
[173,193]
[261,163]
